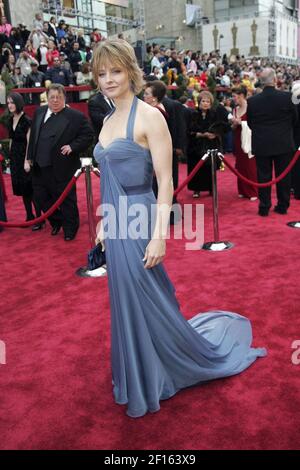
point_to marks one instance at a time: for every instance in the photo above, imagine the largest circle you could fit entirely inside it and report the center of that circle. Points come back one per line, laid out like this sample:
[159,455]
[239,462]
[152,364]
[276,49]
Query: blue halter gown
[156,352]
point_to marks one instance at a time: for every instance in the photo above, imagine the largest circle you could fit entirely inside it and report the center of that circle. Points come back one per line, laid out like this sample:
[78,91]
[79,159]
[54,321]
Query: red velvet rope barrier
[190,176]
[185,182]
[42,89]
[49,212]
[269,183]
[89,88]
[253,183]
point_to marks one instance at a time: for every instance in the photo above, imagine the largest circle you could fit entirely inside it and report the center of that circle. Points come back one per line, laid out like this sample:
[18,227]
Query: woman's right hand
[27,166]
[100,237]
[236,122]
[100,242]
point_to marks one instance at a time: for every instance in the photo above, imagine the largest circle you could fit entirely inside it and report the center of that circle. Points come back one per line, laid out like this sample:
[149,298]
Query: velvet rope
[269,183]
[49,212]
[190,176]
[185,182]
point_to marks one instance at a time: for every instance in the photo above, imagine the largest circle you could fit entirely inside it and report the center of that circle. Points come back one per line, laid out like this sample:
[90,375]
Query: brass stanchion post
[216,245]
[87,167]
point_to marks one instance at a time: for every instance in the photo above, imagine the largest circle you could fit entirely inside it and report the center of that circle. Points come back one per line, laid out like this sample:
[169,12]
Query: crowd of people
[155,351]
[57,52]
[229,72]
[48,52]
[198,120]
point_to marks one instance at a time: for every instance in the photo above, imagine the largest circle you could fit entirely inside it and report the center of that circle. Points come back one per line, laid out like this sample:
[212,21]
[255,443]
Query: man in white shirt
[156,63]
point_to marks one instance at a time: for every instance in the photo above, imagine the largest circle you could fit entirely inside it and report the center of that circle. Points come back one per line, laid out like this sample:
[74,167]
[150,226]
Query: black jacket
[51,32]
[98,109]
[272,117]
[59,75]
[71,128]
[75,60]
[176,122]
[297,131]
[35,78]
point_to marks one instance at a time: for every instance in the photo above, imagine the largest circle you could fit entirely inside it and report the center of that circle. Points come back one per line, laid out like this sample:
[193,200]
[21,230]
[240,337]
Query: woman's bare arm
[160,144]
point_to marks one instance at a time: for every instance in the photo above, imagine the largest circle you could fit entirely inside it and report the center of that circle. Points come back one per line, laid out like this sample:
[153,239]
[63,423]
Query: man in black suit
[272,117]
[58,135]
[296,169]
[99,106]
[177,128]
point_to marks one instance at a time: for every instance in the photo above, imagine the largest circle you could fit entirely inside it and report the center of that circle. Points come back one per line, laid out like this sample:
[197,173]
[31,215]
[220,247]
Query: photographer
[24,62]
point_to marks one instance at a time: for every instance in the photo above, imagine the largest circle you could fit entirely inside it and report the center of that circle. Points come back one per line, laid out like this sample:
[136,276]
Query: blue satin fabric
[155,352]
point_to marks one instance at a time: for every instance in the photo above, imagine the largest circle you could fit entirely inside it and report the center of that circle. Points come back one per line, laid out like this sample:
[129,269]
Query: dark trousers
[173,216]
[296,179]
[174,176]
[264,174]
[47,189]
[2,208]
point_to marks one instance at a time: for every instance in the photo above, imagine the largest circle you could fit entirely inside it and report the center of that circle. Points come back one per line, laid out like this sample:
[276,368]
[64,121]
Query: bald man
[272,117]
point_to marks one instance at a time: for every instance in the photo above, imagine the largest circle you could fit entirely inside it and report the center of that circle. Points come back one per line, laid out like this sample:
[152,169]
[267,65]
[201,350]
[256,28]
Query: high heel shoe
[39,226]
[28,219]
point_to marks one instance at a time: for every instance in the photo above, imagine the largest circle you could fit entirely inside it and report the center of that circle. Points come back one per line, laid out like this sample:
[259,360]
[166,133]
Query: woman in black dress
[19,131]
[201,138]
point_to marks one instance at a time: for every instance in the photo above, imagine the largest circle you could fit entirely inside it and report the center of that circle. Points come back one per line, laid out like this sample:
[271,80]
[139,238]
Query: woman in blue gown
[155,352]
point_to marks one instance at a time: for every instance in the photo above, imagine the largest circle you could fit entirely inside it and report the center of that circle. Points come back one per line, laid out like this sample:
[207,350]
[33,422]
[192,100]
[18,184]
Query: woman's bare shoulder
[149,114]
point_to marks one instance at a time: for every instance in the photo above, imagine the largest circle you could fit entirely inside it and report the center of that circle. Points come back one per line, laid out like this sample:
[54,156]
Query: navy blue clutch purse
[96,258]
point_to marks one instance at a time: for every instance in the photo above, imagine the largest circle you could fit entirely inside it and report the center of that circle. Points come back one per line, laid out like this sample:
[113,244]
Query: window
[236,3]
[69,3]
[241,3]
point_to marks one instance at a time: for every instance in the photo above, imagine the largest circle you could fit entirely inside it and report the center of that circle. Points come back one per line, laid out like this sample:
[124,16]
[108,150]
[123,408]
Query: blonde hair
[121,53]
[206,95]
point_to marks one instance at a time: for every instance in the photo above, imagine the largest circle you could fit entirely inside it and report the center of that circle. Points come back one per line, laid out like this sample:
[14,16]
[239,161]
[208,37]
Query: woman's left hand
[211,136]
[155,252]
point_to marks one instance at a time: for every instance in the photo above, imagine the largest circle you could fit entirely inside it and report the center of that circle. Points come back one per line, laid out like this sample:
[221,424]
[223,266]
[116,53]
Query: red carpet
[56,384]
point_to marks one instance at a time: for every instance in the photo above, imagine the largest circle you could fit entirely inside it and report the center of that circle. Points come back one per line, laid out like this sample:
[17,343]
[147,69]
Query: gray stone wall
[23,11]
[164,22]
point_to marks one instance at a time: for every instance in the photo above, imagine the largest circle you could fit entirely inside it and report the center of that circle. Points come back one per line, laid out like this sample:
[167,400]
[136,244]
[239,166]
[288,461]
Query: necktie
[50,117]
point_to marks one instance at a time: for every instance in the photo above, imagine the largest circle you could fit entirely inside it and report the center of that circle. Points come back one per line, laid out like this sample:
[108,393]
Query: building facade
[266,28]
[225,9]
[110,16]
[21,12]
[260,28]
[167,22]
